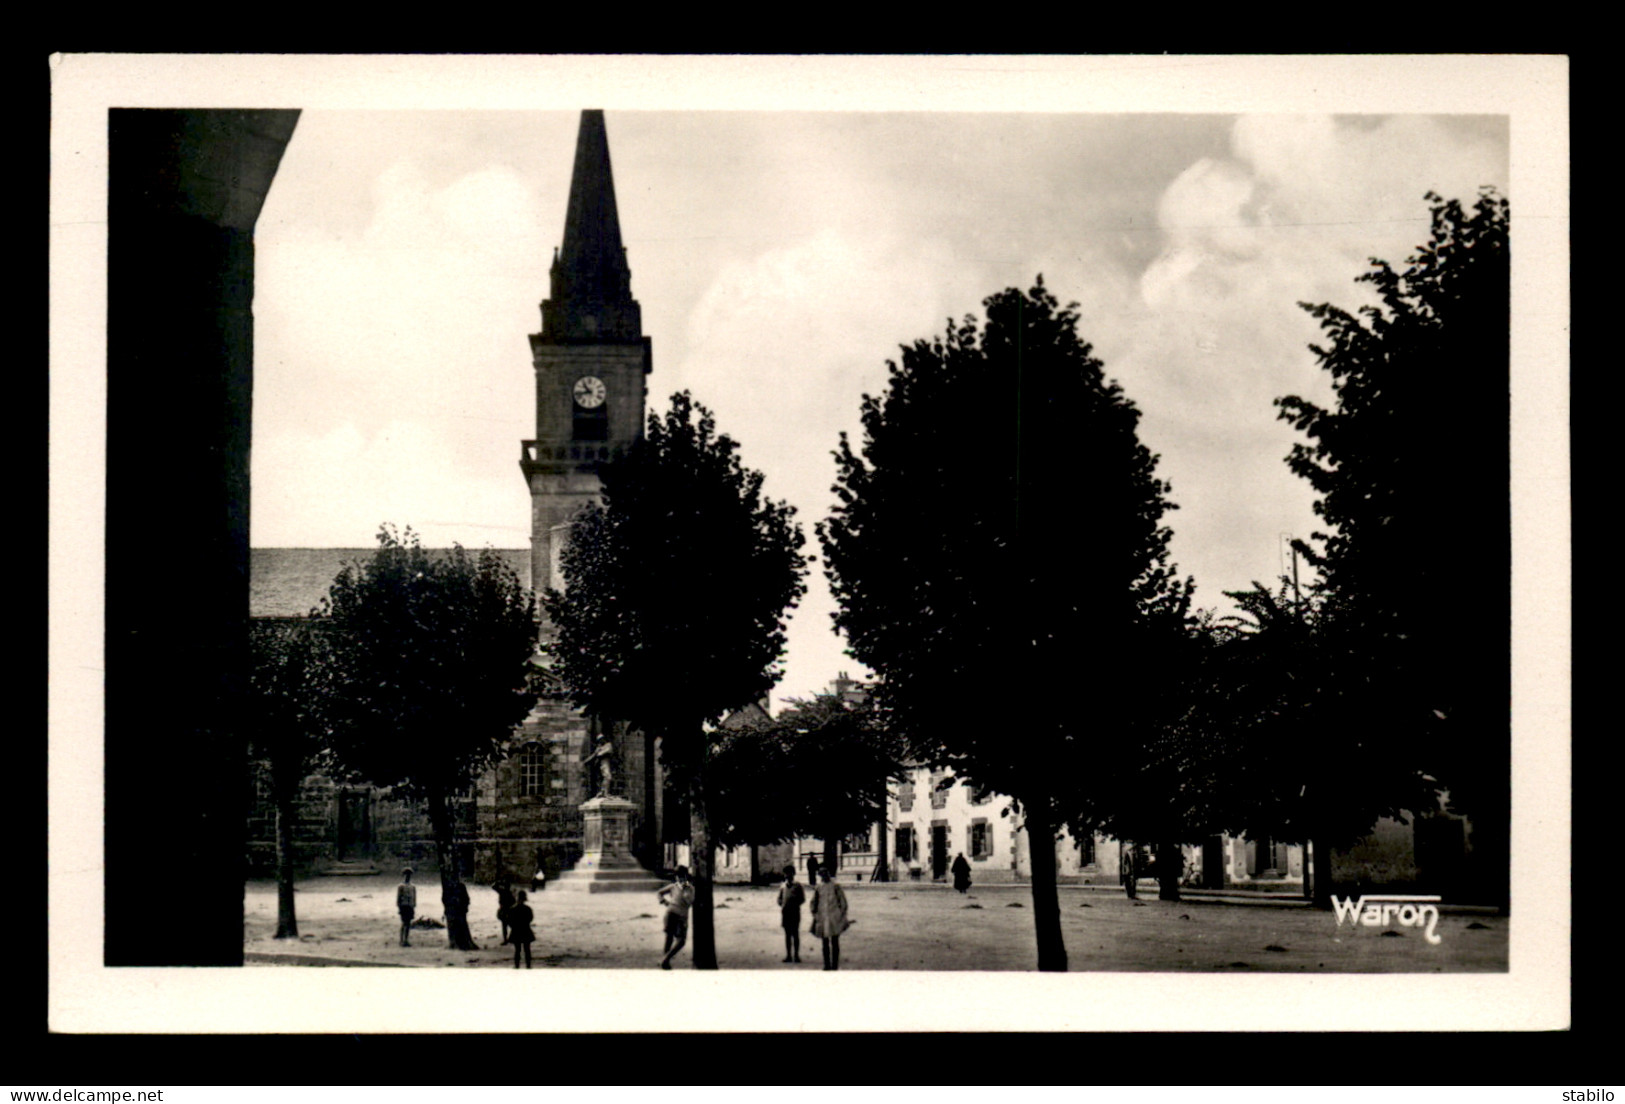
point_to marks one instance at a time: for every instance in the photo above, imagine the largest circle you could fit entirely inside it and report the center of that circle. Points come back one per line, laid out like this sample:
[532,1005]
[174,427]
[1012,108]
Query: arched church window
[532,772]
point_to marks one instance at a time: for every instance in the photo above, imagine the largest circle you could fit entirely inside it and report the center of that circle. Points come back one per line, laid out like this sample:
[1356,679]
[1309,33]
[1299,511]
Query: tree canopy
[288,721]
[1412,460]
[678,585]
[289,682]
[820,768]
[677,589]
[1412,468]
[1000,531]
[432,670]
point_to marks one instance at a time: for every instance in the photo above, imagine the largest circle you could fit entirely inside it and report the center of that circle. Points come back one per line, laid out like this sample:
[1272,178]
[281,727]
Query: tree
[1164,779]
[1412,466]
[820,768]
[432,670]
[1298,763]
[1001,528]
[288,726]
[673,612]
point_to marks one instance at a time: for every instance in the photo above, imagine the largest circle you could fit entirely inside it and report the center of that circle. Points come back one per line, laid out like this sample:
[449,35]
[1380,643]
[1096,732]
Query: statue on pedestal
[600,764]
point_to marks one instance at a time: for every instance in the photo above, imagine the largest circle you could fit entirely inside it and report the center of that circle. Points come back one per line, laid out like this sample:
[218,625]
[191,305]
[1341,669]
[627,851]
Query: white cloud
[1292,215]
[364,343]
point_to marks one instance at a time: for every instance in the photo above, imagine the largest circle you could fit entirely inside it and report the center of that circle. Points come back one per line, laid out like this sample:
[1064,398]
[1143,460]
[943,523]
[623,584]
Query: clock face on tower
[589,392]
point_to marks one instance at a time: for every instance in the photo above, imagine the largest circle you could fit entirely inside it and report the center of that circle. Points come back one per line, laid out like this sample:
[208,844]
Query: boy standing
[791,895]
[829,917]
[406,899]
[677,898]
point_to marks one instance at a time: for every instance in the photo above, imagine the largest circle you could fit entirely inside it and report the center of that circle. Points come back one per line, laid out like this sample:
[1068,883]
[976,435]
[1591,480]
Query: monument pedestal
[607,864]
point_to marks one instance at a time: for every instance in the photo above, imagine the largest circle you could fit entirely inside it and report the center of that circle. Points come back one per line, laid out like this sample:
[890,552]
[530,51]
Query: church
[591,362]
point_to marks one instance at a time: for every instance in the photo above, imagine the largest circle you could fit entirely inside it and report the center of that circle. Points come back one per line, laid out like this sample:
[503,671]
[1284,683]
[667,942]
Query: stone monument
[607,864]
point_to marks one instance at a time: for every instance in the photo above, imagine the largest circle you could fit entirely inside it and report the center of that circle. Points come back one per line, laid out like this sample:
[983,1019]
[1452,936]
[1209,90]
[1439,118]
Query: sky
[781,258]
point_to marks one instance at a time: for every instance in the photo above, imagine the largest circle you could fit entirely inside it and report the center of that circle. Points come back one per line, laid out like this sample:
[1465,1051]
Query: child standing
[677,898]
[829,918]
[519,931]
[791,895]
[504,902]
[406,899]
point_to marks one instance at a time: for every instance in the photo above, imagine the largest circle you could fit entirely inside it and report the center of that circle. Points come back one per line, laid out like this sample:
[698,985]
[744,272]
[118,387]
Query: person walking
[406,899]
[505,901]
[1128,871]
[961,870]
[677,897]
[520,917]
[829,918]
[812,871]
[791,896]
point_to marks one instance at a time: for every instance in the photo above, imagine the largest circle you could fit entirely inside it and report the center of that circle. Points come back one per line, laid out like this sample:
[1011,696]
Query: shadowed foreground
[352,921]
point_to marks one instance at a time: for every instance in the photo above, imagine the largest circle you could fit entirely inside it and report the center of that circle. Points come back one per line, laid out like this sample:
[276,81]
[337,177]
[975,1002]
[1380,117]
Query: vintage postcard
[473,280]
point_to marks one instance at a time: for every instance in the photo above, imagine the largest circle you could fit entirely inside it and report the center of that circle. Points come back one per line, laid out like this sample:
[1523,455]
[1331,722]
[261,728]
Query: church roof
[590,296]
[290,582]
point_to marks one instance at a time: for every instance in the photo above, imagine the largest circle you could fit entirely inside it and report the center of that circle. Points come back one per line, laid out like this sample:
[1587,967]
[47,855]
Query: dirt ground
[352,921]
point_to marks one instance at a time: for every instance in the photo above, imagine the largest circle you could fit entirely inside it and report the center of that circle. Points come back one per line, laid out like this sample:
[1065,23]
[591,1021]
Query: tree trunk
[1046,899]
[453,894]
[1322,874]
[755,865]
[882,861]
[287,925]
[653,837]
[701,852]
[1170,865]
[832,856]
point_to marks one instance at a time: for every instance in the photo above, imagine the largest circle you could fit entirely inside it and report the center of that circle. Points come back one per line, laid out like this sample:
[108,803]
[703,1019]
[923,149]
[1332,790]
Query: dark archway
[185,188]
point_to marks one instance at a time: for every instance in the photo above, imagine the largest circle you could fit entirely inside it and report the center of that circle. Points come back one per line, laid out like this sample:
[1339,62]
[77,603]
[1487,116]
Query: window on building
[981,840]
[590,425]
[1086,849]
[980,795]
[905,843]
[940,785]
[532,773]
[905,795]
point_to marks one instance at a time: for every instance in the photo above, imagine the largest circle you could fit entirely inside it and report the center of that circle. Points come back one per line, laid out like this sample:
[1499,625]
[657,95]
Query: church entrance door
[354,827]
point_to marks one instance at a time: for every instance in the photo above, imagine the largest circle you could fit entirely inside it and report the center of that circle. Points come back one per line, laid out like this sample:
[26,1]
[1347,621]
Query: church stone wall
[348,828]
[515,830]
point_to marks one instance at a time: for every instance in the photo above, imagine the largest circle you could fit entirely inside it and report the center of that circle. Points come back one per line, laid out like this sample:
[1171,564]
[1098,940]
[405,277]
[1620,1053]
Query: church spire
[590,297]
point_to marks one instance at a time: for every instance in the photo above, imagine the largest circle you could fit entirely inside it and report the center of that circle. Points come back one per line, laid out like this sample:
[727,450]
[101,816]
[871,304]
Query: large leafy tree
[288,723]
[673,614]
[1001,528]
[1412,468]
[1166,779]
[820,768]
[1275,701]
[432,669]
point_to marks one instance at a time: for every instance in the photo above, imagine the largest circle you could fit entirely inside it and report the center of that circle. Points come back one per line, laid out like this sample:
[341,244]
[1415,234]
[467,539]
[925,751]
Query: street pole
[1308,843]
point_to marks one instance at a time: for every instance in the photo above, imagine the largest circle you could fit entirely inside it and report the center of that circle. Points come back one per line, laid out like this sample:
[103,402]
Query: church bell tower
[591,358]
[591,361]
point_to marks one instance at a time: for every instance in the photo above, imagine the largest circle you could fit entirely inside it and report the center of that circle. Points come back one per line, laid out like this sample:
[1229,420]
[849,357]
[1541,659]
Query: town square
[643,545]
